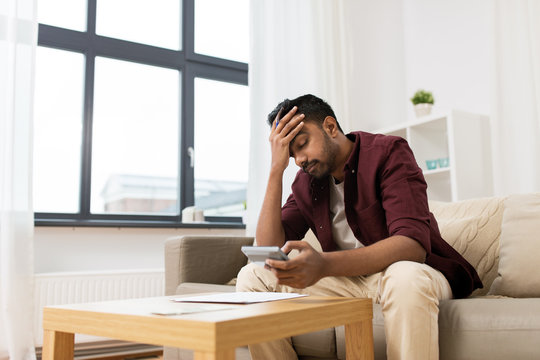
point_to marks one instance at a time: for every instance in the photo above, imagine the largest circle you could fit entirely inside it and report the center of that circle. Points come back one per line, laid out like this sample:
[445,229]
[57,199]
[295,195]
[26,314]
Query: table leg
[57,345]
[359,340]
[218,355]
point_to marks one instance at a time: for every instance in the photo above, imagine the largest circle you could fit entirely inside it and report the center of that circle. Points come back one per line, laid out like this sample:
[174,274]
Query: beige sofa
[500,237]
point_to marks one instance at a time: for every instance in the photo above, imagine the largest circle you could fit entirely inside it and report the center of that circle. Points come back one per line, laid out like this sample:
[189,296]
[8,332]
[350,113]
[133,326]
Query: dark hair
[315,109]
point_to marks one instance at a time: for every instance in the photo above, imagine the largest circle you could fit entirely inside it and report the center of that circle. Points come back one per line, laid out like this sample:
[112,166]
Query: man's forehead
[303,131]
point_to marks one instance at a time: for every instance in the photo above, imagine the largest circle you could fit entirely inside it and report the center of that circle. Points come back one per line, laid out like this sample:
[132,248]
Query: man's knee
[407,280]
[253,277]
[245,277]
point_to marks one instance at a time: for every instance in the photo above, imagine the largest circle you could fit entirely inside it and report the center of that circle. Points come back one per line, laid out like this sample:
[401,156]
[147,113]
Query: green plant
[422,97]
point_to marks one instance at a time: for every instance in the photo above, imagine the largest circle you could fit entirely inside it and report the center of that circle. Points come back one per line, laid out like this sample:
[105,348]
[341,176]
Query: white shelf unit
[460,137]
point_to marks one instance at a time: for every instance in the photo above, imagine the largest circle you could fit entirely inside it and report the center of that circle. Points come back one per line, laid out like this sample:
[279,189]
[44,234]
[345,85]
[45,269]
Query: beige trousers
[409,293]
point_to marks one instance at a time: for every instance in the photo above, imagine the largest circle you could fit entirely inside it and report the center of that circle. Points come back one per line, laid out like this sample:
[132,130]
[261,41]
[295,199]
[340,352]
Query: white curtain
[516,96]
[297,47]
[18,38]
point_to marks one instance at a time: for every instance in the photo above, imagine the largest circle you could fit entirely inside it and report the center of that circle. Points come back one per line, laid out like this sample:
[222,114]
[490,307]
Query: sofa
[499,236]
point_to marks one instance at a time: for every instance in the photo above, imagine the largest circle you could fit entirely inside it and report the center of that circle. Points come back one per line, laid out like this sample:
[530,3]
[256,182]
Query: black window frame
[190,65]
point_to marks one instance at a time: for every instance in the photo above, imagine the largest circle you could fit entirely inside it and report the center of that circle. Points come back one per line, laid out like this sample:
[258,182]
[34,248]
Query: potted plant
[423,102]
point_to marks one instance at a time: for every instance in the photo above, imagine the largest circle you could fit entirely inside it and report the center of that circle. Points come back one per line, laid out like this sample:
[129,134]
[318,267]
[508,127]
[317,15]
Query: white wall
[447,51]
[400,46]
[377,87]
[58,249]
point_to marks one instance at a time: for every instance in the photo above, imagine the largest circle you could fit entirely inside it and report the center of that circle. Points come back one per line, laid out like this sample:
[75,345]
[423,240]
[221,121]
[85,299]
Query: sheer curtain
[297,47]
[516,96]
[18,38]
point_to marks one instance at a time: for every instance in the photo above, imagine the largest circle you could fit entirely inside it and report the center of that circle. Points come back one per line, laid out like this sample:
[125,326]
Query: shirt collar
[352,161]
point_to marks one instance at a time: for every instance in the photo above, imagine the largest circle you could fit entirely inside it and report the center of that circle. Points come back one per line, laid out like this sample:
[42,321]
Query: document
[174,309]
[239,297]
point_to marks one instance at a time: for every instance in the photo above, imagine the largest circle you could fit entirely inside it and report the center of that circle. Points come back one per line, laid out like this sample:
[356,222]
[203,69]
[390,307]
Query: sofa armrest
[203,259]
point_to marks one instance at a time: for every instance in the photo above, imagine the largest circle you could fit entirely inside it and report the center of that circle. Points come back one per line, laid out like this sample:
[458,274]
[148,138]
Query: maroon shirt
[385,195]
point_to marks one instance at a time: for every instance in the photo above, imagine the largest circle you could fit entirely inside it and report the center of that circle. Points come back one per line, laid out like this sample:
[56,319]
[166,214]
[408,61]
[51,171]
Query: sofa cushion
[472,227]
[489,328]
[319,344]
[203,259]
[170,353]
[519,248]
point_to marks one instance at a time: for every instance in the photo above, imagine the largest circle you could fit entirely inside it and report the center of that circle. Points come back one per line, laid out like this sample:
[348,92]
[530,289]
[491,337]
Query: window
[60,78]
[221,175]
[141,110]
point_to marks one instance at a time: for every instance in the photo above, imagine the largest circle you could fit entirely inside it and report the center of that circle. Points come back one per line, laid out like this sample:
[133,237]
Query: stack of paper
[239,297]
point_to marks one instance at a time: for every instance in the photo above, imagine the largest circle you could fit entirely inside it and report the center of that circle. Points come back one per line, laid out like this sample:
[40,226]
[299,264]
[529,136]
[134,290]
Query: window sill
[139,224]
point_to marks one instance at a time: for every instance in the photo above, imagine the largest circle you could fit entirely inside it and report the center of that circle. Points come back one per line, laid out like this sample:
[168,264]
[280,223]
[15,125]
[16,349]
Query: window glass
[222,29]
[135,139]
[58,110]
[155,22]
[129,155]
[69,14]
[221,147]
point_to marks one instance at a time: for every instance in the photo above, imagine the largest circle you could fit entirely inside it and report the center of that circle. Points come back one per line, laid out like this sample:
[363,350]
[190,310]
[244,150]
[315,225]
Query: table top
[218,326]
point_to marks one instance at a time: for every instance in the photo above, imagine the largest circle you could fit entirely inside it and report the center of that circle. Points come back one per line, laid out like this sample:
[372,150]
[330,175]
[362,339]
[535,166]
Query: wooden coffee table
[212,335]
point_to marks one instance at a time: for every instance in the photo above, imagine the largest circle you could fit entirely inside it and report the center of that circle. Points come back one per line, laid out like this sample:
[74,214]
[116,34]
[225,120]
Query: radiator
[80,287]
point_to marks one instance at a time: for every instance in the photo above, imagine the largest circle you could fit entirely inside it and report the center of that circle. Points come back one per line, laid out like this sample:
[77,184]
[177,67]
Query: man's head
[315,109]
[318,148]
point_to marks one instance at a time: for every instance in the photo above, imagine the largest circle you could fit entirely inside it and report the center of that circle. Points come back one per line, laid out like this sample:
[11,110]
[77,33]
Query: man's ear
[330,126]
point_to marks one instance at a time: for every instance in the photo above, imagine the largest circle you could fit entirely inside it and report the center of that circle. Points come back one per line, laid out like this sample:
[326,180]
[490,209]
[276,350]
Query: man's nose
[299,159]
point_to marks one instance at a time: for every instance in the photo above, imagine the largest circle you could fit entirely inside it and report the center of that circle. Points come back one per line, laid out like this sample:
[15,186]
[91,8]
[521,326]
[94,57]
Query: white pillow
[473,228]
[519,256]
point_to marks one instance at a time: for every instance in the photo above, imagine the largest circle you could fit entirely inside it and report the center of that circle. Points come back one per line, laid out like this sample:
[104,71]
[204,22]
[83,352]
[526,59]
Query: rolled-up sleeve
[403,194]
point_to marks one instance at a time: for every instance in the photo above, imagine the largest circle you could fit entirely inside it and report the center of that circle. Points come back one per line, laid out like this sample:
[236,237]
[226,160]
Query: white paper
[239,297]
[171,309]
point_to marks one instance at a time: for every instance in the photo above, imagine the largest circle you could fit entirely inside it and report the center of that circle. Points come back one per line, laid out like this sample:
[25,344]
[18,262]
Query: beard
[320,169]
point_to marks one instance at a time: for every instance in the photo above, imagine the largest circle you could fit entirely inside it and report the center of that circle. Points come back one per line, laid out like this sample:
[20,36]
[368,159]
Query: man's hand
[284,129]
[283,132]
[302,271]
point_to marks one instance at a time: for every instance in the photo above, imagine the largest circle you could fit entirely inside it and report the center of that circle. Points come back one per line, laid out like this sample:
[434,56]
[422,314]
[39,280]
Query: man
[364,197]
